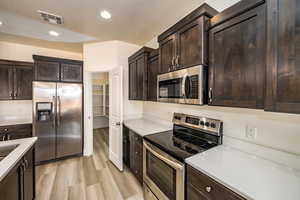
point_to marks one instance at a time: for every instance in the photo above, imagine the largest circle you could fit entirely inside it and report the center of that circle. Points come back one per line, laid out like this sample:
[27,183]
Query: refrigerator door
[44,120]
[69,119]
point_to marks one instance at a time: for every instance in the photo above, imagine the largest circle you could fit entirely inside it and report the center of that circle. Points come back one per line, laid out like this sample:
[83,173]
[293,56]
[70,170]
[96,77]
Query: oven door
[163,175]
[184,86]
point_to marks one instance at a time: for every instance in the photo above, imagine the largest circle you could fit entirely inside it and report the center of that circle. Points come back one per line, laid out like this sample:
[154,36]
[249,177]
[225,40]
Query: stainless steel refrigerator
[57,120]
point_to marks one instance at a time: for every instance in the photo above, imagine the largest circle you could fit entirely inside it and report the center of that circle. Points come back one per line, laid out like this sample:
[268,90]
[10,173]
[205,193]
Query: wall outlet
[251,132]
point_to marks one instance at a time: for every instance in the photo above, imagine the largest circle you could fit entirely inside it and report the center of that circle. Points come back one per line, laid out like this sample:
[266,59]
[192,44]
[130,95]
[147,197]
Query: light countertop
[248,175]
[14,157]
[145,126]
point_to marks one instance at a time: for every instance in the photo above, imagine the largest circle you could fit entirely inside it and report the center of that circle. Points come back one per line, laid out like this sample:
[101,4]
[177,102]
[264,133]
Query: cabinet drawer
[207,187]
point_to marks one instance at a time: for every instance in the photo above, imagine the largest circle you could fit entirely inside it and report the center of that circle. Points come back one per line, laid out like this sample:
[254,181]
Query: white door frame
[88,110]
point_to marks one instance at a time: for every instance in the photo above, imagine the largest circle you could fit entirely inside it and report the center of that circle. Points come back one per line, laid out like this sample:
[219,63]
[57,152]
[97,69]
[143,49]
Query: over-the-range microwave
[186,86]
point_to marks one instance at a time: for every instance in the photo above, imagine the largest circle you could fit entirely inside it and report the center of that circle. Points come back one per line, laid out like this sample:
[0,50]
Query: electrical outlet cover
[251,132]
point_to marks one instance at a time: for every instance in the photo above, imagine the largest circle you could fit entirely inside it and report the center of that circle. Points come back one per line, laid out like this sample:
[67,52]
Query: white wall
[20,52]
[105,56]
[275,130]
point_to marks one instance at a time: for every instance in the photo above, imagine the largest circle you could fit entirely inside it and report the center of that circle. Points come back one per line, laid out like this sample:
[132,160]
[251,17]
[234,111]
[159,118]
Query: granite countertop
[15,121]
[14,157]
[143,126]
[248,175]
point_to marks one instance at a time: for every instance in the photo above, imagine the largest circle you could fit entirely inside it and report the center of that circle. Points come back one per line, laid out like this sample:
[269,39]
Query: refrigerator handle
[58,110]
[53,111]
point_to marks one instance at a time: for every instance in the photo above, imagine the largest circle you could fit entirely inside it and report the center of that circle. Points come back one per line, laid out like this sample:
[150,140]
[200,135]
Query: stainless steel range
[164,154]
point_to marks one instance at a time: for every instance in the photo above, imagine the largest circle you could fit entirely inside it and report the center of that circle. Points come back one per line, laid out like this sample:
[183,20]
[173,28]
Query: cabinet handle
[26,163]
[208,189]
[177,61]
[210,95]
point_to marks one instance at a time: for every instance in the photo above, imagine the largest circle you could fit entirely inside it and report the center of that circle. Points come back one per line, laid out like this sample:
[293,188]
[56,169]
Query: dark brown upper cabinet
[71,72]
[23,77]
[46,71]
[57,69]
[167,52]
[153,69]
[15,80]
[185,44]
[138,74]
[283,63]
[237,56]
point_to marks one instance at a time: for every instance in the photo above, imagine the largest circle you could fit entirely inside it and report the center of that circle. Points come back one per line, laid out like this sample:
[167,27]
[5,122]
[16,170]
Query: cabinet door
[132,81]
[23,82]
[283,69]
[192,47]
[6,82]
[238,60]
[167,52]
[10,186]
[141,82]
[152,78]
[29,176]
[136,156]
[126,146]
[71,72]
[47,71]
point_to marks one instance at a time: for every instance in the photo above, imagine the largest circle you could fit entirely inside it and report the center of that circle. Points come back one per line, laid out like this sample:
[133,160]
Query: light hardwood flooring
[87,178]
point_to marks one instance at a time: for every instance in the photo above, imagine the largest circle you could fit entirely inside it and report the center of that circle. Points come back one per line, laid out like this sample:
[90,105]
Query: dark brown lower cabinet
[10,186]
[201,187]
[19,184]
[134,153]
[126,147]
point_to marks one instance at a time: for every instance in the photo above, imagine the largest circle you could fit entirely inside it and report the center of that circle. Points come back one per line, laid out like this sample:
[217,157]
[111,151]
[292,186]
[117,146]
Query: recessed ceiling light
[105,14]
[54,33]
[1,23]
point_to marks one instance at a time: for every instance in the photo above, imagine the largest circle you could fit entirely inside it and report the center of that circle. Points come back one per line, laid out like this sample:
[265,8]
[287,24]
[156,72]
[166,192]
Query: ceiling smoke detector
[51,18]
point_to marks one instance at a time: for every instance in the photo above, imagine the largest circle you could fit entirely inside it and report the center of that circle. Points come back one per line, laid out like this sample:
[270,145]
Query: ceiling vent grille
[51,18]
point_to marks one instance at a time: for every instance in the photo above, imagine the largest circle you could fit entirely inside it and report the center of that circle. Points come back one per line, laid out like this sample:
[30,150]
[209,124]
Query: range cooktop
[190,135]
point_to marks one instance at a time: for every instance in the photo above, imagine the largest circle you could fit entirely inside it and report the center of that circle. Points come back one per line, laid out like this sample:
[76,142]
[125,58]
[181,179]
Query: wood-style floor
[87,178]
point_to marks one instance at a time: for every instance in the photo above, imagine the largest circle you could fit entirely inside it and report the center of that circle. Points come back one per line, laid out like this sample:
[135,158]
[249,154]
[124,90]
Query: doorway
[100,88]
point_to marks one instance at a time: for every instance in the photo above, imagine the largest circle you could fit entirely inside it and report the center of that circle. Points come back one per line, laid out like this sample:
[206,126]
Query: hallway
[87,178]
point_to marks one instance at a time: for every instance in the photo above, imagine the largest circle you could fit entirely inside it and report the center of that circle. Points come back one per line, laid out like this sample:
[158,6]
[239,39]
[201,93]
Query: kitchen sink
[5,150]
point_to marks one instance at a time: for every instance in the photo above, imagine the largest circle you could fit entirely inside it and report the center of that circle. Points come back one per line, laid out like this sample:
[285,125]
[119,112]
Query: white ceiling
[133,21]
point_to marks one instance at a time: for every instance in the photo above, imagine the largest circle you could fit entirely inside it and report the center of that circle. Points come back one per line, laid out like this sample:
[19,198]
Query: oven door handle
[172,163]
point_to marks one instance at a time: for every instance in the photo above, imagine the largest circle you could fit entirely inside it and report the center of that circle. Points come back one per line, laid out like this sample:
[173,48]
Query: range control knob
[202,123]
[207,124]
[213,125]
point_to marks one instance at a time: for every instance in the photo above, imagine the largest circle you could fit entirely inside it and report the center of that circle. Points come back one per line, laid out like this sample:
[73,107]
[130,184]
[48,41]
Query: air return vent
[51,18]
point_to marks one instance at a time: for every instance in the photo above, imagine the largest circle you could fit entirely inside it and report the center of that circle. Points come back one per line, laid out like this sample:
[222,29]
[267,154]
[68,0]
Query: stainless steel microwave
[186,86]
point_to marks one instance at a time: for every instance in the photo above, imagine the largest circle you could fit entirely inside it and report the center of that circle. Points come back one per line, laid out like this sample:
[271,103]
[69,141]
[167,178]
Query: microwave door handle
[183,86]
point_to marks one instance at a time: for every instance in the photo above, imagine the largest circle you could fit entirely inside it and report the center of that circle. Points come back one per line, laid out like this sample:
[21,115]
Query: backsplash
[16,109]
[274,130]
